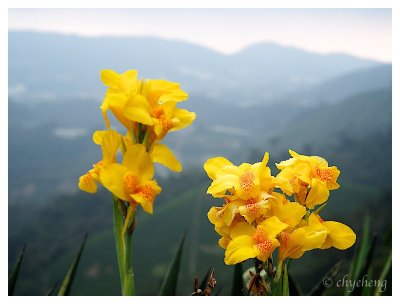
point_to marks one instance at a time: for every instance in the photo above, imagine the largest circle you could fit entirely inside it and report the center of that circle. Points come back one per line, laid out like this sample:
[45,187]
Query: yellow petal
[146,194]
[104,108]
[229,211]
[110,145]
[138,109]
[289,213]
[318,194]
[242,228]
[112,178]
[213,165]
[263,164]
[213,215]
[239,250]
[163,155]
[129,81]
[254,211]
[221,185]
[265,249]
[111,78]
[272,226]
[87,183]
[286,163]
[182,118]
[137,160]
[342,236]
[98,136]
[223,242]
[166,90]
[314,238]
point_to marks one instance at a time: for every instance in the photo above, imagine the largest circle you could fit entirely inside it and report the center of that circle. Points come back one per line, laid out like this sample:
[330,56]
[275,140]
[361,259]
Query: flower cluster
[148,110]
[258,215]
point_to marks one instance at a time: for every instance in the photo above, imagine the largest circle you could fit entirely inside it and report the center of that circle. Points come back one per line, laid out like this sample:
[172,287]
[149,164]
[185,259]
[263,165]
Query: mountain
[51,67]
[345,86]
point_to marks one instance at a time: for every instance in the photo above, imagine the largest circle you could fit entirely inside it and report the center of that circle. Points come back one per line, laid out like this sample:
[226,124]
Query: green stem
[129,277]
[123,245]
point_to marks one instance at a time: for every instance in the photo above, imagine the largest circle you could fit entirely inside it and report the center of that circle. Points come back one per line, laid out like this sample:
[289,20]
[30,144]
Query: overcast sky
[362,32]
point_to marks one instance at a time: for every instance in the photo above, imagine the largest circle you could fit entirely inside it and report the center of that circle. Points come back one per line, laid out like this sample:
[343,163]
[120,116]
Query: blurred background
[318,81]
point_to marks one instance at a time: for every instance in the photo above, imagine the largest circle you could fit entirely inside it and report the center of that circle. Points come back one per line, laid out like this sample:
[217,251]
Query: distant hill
[47,66]
[345,86]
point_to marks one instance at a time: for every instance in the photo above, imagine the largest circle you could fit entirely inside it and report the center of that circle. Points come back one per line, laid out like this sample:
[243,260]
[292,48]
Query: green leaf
[365,268]
[69,278]
[384,274]
[237,286]
[12,278]
[285,282]
[294,288]
[320,287]
[51,290]
[119,241]
[360,254]
[168,287]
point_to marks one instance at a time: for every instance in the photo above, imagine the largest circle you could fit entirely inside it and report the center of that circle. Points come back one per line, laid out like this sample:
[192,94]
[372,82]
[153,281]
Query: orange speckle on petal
[246,181]
[252,210]
[324,174]
[87,178]
[284,238]
[265,249]
[259,236]
[147,192]
[130,182]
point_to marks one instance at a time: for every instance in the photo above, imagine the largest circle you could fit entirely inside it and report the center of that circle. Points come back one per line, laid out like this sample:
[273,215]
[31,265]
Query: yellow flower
[123,99]
[288,212]
[250,242]
[312,171]
[339,235]
[132,180]
[245,181]
[300,240]
[159,153]
[149,102]
[167,117]
[110,142]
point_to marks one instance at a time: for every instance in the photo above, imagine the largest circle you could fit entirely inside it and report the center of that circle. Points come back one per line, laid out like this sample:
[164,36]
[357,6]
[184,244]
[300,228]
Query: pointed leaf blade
[168,287]
[69,278]
[385,271]
[12,279]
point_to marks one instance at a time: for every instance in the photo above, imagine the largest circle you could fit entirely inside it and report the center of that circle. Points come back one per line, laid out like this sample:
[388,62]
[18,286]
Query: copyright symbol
[327,282]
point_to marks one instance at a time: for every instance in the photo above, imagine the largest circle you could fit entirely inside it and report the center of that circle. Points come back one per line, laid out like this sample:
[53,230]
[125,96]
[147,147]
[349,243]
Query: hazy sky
[363,32]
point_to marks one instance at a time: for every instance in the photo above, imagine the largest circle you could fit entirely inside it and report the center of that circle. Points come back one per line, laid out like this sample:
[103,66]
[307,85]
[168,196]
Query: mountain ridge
[47,66]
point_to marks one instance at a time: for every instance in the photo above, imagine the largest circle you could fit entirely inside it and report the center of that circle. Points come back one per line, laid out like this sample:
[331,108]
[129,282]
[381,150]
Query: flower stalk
[123,244]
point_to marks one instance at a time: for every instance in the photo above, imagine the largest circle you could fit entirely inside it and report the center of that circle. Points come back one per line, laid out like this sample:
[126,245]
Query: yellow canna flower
[215,216]
[124,100]
[167,117]
[132,180]
[339,235]
[300,240]
[310,177]
[110,142]
[149,102]
[250,242]
[245,181]
[288,212]
[159,153]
